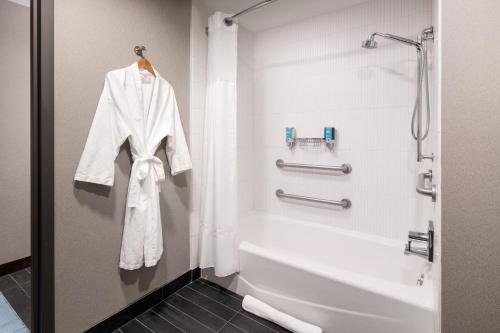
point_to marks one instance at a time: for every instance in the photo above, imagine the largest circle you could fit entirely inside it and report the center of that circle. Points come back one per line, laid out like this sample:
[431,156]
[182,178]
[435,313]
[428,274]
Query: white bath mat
[9,320]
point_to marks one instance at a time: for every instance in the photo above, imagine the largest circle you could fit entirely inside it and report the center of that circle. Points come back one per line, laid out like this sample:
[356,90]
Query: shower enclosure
[301,70]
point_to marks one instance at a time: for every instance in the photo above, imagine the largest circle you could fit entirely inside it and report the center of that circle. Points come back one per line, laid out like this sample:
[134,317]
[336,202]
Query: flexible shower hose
[422,72]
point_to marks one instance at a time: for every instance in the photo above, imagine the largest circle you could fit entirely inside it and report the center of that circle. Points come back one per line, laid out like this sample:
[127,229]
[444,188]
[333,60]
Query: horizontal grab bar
[344,203]
[345,168]
[422,189]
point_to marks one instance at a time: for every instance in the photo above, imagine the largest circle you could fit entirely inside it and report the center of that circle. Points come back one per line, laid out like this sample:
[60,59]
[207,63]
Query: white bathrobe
[135,105]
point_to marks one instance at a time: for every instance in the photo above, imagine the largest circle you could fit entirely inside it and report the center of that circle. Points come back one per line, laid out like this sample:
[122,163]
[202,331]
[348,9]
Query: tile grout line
[239,311]
[204,282]
[228,322]
[186,286]
[272,329]
[236,327]
[135,318]
[8,289]
[196,320]
[201,307]
[168,321]
[147,327]
[20,287]
[12,279]
[212,287]
[213,299]
[25,290]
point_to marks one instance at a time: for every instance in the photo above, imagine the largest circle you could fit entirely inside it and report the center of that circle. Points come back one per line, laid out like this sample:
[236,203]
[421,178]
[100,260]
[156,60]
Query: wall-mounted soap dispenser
[329,136]
[290,136]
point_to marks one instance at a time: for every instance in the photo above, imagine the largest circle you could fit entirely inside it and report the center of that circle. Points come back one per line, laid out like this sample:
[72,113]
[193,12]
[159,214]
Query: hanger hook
[138,50]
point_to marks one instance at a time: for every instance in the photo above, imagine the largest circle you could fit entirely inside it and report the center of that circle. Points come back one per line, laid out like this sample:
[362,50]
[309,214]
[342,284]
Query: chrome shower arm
[396,38]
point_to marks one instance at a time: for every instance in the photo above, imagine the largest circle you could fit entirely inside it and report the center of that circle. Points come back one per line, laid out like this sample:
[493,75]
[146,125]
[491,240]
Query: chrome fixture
[139,50]
[344,203]
[231,19]
[422,79]
[310,142]
[344,168]
[420,280]
[430,190]
[372,44]
[423,238]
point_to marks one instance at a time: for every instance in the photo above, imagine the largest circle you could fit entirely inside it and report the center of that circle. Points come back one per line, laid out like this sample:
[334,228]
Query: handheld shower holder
[428,33]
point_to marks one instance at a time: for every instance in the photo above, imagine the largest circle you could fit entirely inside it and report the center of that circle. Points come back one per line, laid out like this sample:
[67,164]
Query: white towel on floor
[261,309]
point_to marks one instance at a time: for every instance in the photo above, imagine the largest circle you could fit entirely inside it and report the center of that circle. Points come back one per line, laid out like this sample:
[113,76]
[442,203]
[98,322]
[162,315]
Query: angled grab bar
[344,203]
[421,187]
[344,168]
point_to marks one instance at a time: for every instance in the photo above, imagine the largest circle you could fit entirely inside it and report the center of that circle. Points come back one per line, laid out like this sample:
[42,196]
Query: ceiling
[278,13]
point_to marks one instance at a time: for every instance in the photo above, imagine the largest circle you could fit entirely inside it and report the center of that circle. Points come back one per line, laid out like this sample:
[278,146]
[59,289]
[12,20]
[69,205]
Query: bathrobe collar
[137,99]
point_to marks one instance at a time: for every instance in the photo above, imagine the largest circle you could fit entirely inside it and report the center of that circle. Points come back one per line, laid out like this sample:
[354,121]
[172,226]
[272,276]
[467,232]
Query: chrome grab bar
[345,168]
[344,203]
[421,187]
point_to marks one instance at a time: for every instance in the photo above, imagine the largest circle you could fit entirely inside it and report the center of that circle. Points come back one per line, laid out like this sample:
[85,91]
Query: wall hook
[138,50]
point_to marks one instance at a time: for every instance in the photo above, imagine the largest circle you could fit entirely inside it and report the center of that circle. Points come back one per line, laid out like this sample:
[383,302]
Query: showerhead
[369,44]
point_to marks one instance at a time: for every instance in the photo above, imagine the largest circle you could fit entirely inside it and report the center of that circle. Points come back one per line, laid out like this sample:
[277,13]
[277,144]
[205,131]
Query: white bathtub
[342,281]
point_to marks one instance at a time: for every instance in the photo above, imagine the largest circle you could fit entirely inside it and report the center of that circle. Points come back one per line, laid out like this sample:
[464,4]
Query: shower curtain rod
[230,20]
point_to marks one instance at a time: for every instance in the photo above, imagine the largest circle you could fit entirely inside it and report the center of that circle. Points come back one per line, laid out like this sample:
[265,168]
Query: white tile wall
[199,40]
[313,74]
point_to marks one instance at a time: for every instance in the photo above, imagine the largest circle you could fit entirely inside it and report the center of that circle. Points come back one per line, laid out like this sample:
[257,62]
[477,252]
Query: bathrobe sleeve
[177,149]
[107,134]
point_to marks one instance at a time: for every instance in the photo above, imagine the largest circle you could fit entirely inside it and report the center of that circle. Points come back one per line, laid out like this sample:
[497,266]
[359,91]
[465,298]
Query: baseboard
[196,274]
[14,266]
[133,310]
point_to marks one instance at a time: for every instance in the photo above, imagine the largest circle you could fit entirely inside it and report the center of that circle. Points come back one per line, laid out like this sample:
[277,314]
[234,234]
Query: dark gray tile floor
[16,288]
[200,307]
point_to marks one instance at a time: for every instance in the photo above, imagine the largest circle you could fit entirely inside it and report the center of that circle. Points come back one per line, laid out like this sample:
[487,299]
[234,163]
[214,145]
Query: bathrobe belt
[141,168]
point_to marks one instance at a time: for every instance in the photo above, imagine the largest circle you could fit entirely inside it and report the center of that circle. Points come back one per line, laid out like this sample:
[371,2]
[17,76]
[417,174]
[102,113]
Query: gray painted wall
[14,132]
[471,166]
[91,38]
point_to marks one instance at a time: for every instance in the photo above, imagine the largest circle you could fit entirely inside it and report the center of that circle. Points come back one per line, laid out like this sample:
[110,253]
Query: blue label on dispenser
[290,134]
[329,133]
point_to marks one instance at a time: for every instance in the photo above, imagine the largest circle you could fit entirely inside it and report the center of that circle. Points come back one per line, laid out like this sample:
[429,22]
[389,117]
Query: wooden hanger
[143,63]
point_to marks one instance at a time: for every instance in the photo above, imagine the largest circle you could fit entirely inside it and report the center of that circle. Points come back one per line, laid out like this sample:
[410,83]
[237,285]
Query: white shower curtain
[219,192]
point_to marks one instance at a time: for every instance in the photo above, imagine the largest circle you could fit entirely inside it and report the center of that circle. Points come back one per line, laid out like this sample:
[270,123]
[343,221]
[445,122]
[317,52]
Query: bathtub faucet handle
[418,236]
[421,237]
